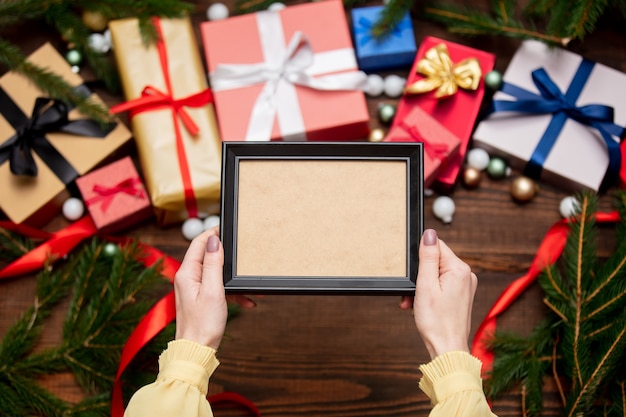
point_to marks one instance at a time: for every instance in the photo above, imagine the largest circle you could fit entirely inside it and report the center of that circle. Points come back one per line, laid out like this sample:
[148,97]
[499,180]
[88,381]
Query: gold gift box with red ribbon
[41,151]
[172,117]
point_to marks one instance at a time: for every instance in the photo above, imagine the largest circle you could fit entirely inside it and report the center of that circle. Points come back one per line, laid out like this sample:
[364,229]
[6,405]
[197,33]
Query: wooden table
[358,355]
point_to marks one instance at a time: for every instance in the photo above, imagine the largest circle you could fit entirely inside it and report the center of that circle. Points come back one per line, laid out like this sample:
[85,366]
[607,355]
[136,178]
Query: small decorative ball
[110,249]
[428,192]
[523,189]
[94,21]
[192,228]
[493,80]
[497,168]
[217,11]
[386,113]
[375,85]
[109,39]
[274,7]
[386,2]
[98,43]
[73,209]
[478,158]
[568,206]
[74,57]
[394,85]
[472,177]
[75,69]
[376,135]
[211,221]
[443,208]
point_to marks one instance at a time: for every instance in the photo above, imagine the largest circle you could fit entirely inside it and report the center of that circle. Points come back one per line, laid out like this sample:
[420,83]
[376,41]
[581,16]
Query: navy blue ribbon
[364,28]
[563,107]
[48,115]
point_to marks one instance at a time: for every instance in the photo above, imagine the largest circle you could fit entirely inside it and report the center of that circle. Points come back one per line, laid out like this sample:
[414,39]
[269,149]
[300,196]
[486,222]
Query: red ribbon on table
[61,243]
[549,251]
[153,99]
[130,186]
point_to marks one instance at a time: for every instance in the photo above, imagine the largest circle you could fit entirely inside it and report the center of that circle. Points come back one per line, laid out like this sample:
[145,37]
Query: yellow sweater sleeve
[181,386]
[453,384]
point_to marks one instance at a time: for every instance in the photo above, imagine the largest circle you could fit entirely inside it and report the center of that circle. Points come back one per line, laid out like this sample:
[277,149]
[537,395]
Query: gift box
[553,119]
[395,49]
[454,105]
[40,153]
[288,74]
[173,119]
[115,196]
[439,143]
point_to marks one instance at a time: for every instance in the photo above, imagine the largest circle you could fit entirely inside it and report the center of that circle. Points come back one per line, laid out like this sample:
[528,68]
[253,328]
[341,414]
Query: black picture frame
[248,167]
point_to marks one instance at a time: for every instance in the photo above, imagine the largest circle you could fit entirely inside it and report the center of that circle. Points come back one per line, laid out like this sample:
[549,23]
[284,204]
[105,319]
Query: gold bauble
[94,21]
[376,135]
[523,189]
[471,177]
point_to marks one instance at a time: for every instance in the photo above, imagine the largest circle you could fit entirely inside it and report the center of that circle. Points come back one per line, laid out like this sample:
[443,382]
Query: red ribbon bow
[130,186]
[153,99]
[436,150]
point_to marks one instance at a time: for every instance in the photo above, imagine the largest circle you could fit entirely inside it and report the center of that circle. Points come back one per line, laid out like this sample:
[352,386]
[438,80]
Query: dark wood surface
[358,355]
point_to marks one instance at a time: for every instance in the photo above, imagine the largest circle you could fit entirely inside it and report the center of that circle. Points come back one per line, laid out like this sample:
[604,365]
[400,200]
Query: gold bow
[445,76]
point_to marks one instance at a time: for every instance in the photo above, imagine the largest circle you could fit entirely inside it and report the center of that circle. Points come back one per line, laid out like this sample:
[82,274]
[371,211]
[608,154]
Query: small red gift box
[458,111]
[439,143]
[115,196]
[289,74]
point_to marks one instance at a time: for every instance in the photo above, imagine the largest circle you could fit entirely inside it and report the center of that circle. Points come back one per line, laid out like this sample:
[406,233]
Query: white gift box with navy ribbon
[558,117]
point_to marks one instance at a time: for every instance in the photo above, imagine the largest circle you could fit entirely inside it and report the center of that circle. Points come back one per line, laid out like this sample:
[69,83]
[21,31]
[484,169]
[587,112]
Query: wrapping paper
[550,141]
[458,112]
[439,143]
[286,75]
[35,199]
[115,196]
[395,50]
[181,167]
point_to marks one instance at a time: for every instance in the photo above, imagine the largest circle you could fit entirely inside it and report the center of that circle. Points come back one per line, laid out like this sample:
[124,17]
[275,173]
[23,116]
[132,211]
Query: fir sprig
[582,343]
[13,245]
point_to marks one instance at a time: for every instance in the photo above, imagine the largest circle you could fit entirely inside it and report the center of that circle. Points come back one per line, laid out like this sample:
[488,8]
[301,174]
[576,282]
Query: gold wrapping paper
[139,66]
[22,198]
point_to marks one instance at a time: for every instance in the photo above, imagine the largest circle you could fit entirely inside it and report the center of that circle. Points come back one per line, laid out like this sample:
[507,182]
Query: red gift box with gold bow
[115,196]
[446,81]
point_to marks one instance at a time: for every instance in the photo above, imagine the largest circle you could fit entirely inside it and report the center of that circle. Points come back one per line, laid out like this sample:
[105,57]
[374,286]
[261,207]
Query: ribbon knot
[443,75]
[436,150]
[130,186]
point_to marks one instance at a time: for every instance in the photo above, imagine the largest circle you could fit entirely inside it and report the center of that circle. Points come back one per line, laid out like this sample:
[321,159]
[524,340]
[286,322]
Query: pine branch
[13,245]
[584,16]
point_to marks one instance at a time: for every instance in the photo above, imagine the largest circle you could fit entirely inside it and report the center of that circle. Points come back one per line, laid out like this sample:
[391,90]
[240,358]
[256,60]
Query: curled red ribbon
[130,186]
[153,99]
[549,251]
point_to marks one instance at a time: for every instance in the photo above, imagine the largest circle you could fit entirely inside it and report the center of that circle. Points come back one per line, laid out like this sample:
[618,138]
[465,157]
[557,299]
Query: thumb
[212,266]
[429,254]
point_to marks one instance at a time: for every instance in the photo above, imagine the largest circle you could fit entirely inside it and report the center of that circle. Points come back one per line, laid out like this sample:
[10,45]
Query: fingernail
[430,237]
[213,244]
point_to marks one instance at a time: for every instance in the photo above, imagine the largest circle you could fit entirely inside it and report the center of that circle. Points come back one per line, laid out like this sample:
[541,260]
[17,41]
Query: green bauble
[74,57]
[110,249]
[497,168]
[493,80]
[386,113]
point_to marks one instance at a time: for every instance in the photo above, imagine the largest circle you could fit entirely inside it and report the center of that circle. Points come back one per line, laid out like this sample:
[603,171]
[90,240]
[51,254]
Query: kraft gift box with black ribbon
[558,117]
[45,144]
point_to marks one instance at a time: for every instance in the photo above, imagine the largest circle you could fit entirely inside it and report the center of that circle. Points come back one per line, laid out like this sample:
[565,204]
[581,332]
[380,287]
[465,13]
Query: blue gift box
[394,50]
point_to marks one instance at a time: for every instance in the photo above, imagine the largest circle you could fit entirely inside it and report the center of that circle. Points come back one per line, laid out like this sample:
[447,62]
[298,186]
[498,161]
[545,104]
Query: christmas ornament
[376,135]
[211,221]
[217,11]
[386,113]
[478,158]
[394,85]
[568,206]
[94,21]
[428,192]
[74,57]
[471,177]
[110,249]
[443,208]
[493,80]
[192,228]
[98,43]
[523,189]
[497,168]
[73,209]
[276,6]
[375,85]
[107,37]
